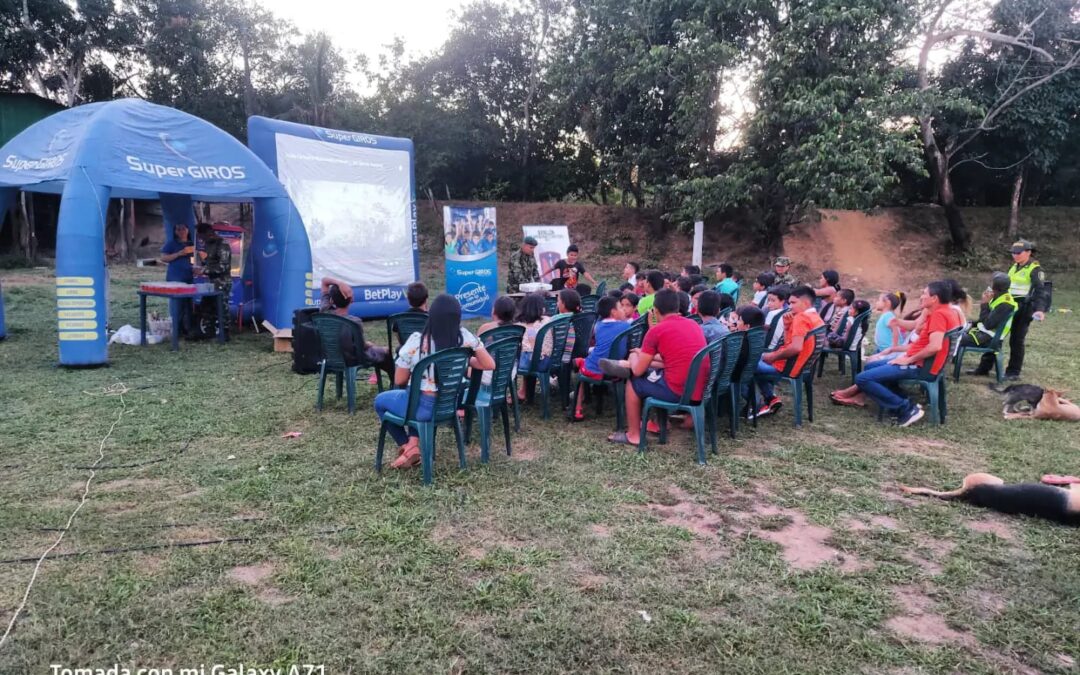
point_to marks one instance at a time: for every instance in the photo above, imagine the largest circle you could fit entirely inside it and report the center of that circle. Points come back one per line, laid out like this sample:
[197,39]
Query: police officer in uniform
[1028,288]
[995,313]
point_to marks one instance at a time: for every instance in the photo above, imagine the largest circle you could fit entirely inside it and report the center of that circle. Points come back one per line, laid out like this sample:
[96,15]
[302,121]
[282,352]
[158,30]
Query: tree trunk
[24,228]
[939,174]
[1014,203]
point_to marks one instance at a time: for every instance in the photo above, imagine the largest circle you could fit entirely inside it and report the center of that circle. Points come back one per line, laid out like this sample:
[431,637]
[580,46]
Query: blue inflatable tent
[133,149]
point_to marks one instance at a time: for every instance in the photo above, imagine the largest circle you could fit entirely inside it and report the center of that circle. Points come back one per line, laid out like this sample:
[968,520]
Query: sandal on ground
[408,459]
[619,437]
[846,401]
[576,416]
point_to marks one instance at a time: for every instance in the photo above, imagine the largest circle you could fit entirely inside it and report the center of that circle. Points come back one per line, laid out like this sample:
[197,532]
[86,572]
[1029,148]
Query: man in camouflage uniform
[216,259]
[216,264]
[522,267]
[781,266]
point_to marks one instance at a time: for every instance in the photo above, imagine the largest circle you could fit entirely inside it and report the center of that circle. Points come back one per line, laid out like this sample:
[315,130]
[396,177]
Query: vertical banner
[552,242]
[472,263]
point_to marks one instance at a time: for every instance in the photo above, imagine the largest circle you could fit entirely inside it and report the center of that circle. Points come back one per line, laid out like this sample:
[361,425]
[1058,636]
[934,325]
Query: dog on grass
[1027,401]
[1054,503]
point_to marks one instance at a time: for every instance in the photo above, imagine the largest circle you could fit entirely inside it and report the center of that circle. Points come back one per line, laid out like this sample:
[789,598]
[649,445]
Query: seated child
[611,323]
[839,310]
[502,314]
[838,339]
[761,288]
[531,316]
[886,333]
[569,303]
[775,305]
[709,309]
[684,303]
[629,304]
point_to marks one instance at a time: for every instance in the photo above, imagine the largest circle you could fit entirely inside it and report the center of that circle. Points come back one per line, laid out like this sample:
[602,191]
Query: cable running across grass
[117,389]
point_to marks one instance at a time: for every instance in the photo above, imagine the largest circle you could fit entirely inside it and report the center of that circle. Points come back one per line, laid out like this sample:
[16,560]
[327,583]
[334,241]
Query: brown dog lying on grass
[1061,505]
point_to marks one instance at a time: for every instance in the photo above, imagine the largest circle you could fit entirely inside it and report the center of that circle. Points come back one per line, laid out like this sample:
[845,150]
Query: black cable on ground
[134,465]
[180,544]
[163,527]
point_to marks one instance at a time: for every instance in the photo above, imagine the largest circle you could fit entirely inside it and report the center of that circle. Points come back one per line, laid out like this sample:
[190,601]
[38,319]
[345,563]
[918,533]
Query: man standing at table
[177,253]
[521,268]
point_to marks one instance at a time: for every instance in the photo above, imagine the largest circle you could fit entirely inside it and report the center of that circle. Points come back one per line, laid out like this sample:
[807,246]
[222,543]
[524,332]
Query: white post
[699,236]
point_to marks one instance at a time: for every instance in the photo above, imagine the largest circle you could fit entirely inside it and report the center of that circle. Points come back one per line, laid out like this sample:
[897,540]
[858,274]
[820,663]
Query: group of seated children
[660,367]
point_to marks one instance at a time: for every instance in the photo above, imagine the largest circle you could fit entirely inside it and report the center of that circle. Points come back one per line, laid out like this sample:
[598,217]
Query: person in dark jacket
[1028,288]
[996,310]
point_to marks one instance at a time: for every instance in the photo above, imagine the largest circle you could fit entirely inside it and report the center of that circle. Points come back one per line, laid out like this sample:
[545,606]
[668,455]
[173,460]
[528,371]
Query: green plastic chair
[703,412]
[484,407]
[933,383]
[406,324]
[502,332]
[732,348]
[850,350]
[620,349]
[329,327]
[601,288]
[755,341]
[588,302]
[804,377]
[551,305]
[724,313]
[583,323]
[696,318]
[558,328]
[450,366]
[641,322]
[995,348]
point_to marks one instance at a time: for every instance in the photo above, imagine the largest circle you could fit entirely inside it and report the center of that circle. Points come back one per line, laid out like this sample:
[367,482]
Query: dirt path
[869,251]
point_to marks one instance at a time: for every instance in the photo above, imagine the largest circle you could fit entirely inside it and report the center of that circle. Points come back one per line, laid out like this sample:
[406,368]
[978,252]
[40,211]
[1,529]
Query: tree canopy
[755,108]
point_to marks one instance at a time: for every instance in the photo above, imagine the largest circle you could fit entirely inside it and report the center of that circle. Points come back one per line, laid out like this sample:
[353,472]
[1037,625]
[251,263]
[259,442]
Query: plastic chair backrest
[926,369]
[638,328]
[859,325]
[818,336]
[773,325]
[724,313]
[450,366]
[505,353]
[696,318]
[601,288]
[732,348]
[559,329]
[329,327]
[712,352]
[620,346]
[583,323]
[999,334]
[406,323]
[501,333]
[755,339]
[588,302]
[551,306]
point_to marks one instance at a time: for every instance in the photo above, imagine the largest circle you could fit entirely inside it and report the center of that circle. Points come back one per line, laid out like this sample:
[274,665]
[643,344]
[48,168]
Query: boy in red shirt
[802,319]
[672,345]
[880,379]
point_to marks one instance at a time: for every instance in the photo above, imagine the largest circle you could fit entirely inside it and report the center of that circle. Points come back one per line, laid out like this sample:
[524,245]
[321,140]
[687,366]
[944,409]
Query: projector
[535,287]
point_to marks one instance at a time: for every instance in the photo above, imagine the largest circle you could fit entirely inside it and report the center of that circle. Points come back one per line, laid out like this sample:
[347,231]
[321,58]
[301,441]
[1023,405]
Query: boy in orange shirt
[880,379]
[802,319]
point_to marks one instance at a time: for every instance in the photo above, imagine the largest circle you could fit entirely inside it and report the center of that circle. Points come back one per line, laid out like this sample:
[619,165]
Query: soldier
[784,278]
[216,259]
[522,267]
[1029,290]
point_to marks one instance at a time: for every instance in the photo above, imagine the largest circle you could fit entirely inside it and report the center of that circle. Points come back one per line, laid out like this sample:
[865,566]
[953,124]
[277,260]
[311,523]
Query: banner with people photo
[552,241]
[470,240]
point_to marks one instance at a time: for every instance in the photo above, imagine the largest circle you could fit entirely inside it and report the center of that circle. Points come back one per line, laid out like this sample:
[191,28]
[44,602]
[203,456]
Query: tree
[943,144]
[828,127]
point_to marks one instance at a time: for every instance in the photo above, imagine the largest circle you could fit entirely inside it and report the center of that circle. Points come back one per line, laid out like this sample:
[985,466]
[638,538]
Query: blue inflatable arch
[133,149]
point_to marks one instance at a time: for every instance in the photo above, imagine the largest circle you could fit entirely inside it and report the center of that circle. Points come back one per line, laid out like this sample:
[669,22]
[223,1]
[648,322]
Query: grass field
[791,552]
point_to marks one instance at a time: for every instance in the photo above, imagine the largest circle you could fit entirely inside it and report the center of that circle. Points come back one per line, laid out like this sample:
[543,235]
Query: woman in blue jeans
[444,331]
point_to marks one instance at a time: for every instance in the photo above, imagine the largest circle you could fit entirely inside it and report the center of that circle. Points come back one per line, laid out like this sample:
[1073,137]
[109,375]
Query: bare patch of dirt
[600,531]
[592,582]
[476,539]
[682,511]
[989,601]
[134,484]
[884,523]
[919,621]
[252,575]
[11,280]
[947,454]
[994,527]
[274,597]
[114,508]
[1065,660]
[522,449]
[931,556]
[803,543]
